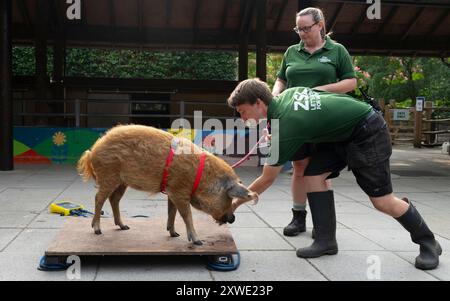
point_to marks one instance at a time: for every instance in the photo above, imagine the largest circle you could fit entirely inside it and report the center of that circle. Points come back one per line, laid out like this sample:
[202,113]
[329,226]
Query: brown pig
[135,156]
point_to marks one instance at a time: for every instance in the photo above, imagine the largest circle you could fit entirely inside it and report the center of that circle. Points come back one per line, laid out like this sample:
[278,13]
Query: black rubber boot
[324,221]
[297,225]
[430,249]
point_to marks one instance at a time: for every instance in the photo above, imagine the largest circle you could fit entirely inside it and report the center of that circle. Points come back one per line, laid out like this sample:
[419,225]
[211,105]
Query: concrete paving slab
[47,220]
[247,220]
[351,194]
[354,208]
[375,220]
[282,219]
[439,224]
[348,240]
[270,266]
[406,185]
[23,267]
[32,241]
[396,239]
[258,239]
[15,219]
[368,265]
[27,199]
[153,268]
[442,272]
[6,236]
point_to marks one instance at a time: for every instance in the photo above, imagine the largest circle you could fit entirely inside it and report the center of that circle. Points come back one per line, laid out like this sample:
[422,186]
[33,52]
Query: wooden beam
[24,12]
[245,23]
[388,19]
[332,20]
[140,14]
[261,42]
[6,100]
[360,21]
[280,15]
[243,57]
[415,3]
[197,7]
[56,18]
[226,8]
[168,9]
[301,4]
[413,22]
[439,21]
[112,20]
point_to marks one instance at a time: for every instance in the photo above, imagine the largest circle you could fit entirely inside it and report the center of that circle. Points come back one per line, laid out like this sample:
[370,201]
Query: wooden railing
[420,128]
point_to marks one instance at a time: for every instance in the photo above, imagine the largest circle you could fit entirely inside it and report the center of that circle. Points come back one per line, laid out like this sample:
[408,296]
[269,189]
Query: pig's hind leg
[172,211]
[114,199]
[100,199]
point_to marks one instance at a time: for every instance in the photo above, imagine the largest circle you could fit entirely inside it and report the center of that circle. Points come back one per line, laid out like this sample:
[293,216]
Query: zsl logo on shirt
[308,100]
[324,59]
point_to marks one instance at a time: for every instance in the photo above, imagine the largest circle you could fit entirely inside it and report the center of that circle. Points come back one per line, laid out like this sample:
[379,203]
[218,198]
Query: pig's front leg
[172,211]
[184,208]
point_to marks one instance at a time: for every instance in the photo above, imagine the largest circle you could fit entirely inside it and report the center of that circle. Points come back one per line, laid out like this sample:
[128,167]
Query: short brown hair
[248,91]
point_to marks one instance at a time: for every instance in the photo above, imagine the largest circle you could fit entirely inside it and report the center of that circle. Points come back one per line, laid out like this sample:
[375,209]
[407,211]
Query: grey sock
[298,206]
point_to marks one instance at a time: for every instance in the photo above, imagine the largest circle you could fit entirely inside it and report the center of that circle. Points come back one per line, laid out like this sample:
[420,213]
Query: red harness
[165,176]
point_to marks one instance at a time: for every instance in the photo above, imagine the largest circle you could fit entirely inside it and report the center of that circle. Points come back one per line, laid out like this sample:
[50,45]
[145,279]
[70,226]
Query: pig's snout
[227,218]
[231,218]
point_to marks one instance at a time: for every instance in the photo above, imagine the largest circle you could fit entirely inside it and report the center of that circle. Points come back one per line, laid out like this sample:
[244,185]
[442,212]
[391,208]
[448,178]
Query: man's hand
[238,202]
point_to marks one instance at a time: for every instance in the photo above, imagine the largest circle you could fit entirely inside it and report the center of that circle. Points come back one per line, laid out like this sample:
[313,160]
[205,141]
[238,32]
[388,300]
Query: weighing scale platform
[146,236]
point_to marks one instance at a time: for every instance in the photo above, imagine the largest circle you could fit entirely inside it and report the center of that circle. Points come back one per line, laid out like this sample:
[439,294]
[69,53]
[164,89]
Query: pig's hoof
[124,227]
[98,232]
[198,242]
[174,234]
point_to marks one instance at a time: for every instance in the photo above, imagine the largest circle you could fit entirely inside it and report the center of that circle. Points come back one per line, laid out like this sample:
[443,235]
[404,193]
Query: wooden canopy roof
[406,27]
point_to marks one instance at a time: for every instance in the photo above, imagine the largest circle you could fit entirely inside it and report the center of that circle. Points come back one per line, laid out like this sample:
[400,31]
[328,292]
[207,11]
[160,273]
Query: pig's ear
[238,191]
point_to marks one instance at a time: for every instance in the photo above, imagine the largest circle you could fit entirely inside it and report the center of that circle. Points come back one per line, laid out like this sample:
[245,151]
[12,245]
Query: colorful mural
[65,145]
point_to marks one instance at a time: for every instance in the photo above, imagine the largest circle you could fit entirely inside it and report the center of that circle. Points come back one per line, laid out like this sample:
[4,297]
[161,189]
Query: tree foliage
[122,63]
[398,78]
[404,78]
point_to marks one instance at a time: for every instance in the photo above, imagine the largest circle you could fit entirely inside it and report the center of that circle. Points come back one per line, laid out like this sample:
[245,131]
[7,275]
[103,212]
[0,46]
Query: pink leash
[252,150]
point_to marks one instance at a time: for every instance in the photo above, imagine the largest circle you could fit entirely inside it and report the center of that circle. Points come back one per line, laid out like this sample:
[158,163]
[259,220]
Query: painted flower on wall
[59,138]
[59,148]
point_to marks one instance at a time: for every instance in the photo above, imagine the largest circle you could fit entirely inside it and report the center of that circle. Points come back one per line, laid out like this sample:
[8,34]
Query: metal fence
[72,109]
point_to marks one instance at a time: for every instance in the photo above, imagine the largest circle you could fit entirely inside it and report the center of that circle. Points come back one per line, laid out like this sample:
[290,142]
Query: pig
[135,156]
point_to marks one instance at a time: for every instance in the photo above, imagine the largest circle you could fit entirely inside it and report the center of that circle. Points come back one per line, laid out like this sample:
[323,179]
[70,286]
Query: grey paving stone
[368,265]
[6,236]
[442,272]
[27,199]
[347,239]
[47,220]
[375,220]
[32,241]
[247,220]
[270,266]
[397,239]
[282,219]
[15,219]
[23,267]
[258,239]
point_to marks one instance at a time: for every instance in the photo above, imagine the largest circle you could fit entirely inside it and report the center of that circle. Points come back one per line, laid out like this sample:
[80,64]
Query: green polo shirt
[310,116]
[330,64]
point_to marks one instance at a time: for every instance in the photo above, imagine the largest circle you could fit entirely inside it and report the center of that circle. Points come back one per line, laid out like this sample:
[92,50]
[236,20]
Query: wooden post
[428,107]
[6,103]
[417,128]
[387,117]
[261,40]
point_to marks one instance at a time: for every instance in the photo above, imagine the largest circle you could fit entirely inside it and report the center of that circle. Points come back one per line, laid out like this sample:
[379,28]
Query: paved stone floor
[371,245]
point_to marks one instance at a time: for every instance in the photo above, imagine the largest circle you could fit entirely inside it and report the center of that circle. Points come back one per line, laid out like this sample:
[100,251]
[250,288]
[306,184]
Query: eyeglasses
[304,29]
